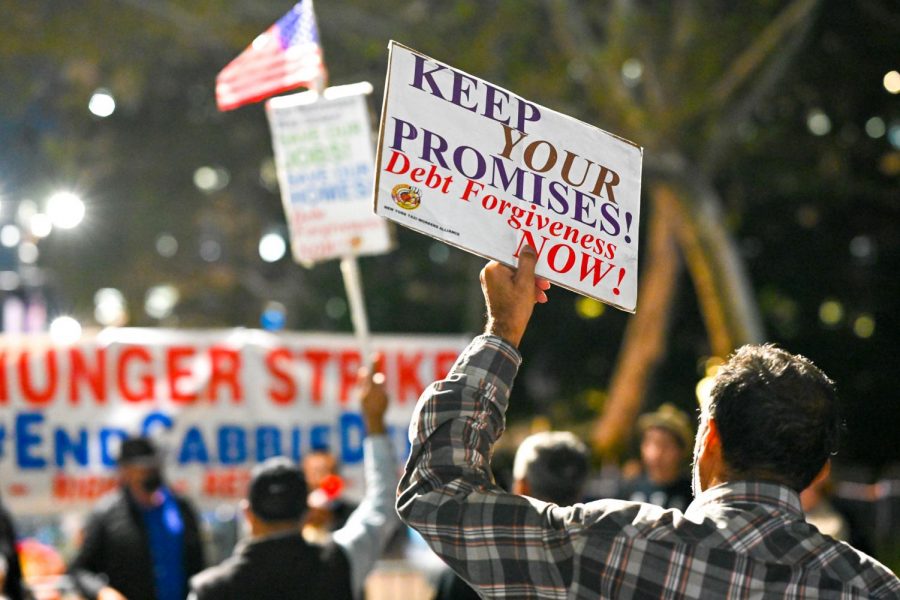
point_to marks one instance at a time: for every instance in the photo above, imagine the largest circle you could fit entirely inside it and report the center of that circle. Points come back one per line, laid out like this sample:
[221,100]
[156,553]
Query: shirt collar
[774,497]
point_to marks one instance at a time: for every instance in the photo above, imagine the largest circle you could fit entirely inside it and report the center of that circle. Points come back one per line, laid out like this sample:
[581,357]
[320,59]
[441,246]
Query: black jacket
[12,587]
[116,551]
[278,567]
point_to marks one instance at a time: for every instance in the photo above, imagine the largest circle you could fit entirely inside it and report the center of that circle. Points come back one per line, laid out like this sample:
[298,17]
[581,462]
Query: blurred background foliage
[772,115]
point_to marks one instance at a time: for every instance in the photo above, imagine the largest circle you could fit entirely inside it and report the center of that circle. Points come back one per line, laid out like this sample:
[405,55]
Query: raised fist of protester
[510,296]
[373,398]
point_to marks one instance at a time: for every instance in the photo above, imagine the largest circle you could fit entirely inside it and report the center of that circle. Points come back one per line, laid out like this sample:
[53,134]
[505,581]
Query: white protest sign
[218,402]
[476,166]
[323,155]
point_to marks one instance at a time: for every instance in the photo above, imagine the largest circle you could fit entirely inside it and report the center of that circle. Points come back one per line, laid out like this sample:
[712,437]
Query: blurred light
[65,330]
[166,245]
[160,301]
[875,127]
[41,225]
[273,317]
[272,247]
[588,308]
[831,312]
[27,210]
[28,253]
[66,209]
[210,250]
[102,103]
[893,134]
[10,235]
[268,174]
[109,307]
[818,122]
[9,280]
[862,247]
[807,216]
[864,326]
[892,82]
[439,253]
[211,179]
[704,389]
[335,307]
[632,70]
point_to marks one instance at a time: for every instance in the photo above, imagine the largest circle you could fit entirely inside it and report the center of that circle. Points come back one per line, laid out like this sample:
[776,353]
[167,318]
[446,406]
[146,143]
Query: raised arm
[371,525]
[503,544]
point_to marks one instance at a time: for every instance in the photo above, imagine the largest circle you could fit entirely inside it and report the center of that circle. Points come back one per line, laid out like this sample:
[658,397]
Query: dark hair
[555,465]
[777,415]
[277,490]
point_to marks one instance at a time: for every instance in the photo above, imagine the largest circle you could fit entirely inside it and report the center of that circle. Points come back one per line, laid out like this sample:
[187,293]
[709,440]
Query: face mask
[152,482]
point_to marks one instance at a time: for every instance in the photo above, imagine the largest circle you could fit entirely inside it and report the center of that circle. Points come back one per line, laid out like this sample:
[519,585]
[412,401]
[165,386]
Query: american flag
[287,55]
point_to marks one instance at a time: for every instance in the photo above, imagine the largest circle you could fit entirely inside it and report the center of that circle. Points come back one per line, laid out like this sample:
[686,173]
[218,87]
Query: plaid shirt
[745,539]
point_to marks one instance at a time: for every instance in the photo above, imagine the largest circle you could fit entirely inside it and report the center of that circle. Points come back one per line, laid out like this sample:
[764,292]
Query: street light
[66,209]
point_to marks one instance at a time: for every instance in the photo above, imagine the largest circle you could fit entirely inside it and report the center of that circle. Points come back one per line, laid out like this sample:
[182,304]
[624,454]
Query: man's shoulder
[110,503]
[215,581]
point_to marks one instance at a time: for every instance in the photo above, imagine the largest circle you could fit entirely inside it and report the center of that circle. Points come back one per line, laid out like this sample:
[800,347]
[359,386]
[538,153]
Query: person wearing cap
[276,562]
[666,439]
[142,542]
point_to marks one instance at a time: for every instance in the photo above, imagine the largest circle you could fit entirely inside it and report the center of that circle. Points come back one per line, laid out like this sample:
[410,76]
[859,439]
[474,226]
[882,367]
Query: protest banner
[323,156]
[217,402]
[478,167]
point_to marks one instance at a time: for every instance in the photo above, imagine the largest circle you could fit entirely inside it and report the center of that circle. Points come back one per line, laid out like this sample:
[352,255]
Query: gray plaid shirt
[745,539]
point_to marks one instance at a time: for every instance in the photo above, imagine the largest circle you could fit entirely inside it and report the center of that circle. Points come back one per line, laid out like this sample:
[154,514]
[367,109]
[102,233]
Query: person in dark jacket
[11,585]
[143,541]
[276,562]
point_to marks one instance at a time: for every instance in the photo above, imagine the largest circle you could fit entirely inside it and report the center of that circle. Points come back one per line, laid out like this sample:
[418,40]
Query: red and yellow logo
[406,196]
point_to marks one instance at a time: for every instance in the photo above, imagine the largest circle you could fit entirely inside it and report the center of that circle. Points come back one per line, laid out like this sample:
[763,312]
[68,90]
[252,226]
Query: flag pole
[353,285]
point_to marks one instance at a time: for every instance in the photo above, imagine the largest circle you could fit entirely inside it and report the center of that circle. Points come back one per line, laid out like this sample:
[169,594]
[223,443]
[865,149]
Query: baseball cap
[277,490]
[138,451]
[671,419]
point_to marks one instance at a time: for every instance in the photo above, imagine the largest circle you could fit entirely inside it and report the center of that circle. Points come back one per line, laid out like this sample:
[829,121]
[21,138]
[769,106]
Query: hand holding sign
[477,167]
[510,296]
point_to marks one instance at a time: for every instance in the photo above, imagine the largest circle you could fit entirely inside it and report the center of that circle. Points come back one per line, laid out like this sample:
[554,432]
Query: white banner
[323,155]
[217,402]
[476,166]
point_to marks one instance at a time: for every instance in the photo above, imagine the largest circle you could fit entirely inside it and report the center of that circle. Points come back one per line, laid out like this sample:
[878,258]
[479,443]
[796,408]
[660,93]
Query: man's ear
[521,487]
[712,438]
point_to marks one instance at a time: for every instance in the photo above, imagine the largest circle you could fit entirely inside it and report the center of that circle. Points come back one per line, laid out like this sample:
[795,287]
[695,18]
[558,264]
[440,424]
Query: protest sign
[476,166]
[218,402]
[323,155]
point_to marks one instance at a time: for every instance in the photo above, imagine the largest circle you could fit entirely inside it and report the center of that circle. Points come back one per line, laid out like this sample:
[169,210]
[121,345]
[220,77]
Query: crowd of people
[750,519]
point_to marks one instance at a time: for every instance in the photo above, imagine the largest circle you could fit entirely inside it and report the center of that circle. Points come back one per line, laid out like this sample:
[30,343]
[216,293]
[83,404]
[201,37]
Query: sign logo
[406,196]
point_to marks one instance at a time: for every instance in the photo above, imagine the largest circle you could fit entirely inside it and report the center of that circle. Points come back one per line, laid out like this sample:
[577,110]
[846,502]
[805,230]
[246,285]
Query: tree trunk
[645,336]
[722,285]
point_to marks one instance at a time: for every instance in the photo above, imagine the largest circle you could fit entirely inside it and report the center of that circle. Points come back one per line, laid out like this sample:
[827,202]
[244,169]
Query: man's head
[551,466]
[666,436]
[318,464]
[276,497]
[771,415]
[140,469]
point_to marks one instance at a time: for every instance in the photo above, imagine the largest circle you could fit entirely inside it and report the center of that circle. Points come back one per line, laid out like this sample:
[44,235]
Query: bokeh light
[102,103]
[818,122]
[864,326]
[161,300]
[892,82]
[831,312]
[66,209]
[588,308]
[65,330]
[272,247]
